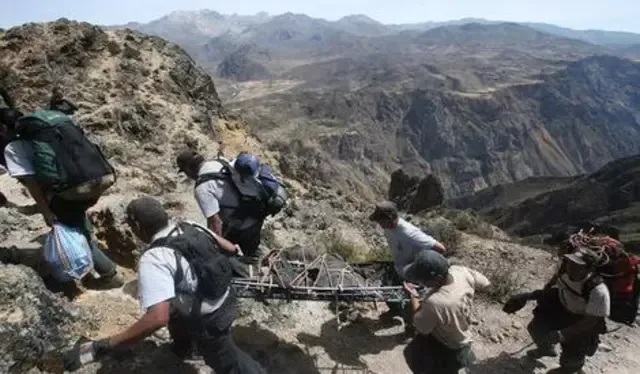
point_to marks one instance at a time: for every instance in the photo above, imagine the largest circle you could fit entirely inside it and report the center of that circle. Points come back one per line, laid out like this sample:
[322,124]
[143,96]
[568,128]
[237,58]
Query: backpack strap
[179,276]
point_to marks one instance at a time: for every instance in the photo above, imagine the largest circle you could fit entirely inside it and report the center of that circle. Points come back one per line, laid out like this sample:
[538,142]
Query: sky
[621,15]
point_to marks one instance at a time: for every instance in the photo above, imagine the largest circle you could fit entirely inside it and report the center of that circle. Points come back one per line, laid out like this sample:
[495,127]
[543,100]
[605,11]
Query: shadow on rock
[274,354]
[506,363]
[345,346]
[146,357]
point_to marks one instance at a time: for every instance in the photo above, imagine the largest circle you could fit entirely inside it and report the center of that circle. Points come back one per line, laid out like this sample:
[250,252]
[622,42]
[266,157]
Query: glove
[84,352]
[554,337]
[516,302]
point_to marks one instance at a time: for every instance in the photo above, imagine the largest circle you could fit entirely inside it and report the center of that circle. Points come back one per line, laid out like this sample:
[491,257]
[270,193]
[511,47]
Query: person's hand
[238,250]
[516,302]
[411,289]
[48,219]
[84,352]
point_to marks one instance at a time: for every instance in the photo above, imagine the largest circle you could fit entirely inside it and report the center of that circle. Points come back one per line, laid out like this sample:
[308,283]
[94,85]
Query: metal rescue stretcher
[326,278]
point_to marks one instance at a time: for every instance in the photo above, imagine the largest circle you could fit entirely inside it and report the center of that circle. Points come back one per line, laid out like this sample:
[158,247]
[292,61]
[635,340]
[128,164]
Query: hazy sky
[621,15]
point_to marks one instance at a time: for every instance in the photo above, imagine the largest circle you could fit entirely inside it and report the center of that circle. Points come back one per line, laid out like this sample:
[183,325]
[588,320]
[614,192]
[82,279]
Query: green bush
[504,282]
[335,242]
[443,231]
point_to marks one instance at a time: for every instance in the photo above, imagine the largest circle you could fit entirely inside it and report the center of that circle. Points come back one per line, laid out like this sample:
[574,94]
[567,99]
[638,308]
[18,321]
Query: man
[442,319]
[571,311]
[18,155]
[406,242]
[169,292]
[219,199]
[59,103]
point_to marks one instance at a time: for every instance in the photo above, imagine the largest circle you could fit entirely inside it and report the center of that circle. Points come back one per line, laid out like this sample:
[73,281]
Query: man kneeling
[184,282]
[443,317]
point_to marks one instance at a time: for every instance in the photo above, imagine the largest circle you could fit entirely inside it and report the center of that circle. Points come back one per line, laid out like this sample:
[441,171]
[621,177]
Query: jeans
[248,239]
[74,214]
[212,335]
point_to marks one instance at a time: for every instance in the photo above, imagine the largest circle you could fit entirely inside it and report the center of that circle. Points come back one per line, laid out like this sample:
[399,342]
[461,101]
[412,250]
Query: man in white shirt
[168,292]
[406,242]
[443,317]
[571,311]
[18,158]
[220,200]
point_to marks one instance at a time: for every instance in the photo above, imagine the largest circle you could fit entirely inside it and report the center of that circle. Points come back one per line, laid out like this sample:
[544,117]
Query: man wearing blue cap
[230,195]
[443,318]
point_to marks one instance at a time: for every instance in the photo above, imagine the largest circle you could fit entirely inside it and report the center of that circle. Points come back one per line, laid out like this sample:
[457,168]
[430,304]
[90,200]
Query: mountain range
[476,103]
[204,24]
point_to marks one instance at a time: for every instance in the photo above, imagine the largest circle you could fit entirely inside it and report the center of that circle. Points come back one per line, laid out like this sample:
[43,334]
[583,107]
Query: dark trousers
[213,338]
[248,239]
[550,315]
[426,354]
[74,214]
[397,308]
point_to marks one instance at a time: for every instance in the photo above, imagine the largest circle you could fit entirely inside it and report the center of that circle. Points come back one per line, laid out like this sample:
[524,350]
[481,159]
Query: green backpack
[66,163]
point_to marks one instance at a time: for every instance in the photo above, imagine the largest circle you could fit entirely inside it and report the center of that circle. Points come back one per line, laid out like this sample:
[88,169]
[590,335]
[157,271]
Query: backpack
[211,267]
[257,198]
[618,270]
[66,163]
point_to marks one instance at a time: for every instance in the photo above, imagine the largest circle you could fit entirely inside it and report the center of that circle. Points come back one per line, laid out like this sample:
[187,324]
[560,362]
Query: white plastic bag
[67,252]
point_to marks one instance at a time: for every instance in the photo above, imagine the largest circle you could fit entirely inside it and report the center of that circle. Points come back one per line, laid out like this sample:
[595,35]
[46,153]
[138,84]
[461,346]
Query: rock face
[34,323]
[413,194]
[240,67]
[140,97]
[610,197]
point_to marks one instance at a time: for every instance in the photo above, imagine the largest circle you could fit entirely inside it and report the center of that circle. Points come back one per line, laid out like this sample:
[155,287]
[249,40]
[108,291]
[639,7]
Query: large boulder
[414,194]
[35,325]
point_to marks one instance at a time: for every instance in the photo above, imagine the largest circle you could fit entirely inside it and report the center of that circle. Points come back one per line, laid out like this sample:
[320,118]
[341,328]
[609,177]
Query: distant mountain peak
[360,18]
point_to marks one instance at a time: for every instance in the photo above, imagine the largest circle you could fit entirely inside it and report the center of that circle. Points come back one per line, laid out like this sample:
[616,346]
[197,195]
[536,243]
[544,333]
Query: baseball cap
[185,158]
[582,256]
[427,265]
[384,210]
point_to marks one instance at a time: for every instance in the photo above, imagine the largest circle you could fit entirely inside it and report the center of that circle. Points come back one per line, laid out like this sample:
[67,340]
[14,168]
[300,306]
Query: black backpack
[210,266]
[65,161]
[253,196]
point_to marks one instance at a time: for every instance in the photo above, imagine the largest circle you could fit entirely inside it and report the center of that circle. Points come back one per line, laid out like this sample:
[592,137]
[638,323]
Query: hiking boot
[105,282]
[542,352]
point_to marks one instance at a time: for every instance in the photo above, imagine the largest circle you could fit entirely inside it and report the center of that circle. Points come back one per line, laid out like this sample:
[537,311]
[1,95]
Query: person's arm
[439,247]
[480,282]
[210,207]
[214,223]
[154,319]
[38,195]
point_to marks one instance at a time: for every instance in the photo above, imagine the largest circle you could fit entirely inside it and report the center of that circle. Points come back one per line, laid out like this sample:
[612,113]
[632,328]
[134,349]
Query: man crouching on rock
[184,282]
[406,242]
[443,318]
[571,311]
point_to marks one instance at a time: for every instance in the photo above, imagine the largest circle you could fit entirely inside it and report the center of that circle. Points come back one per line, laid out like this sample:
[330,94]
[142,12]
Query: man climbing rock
[235,197]
[34,170]
[406,242]
[571,311]
[184,282]
[443,318]
[59,103]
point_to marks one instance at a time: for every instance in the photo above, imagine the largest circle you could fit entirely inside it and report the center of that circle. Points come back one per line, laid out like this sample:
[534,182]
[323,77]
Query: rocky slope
[569,122]
[610,196]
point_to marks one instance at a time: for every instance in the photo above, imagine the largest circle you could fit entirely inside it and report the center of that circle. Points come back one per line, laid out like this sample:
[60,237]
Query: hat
[384,210]
[185,158]
[427,265]
[247,163]
[582,256]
